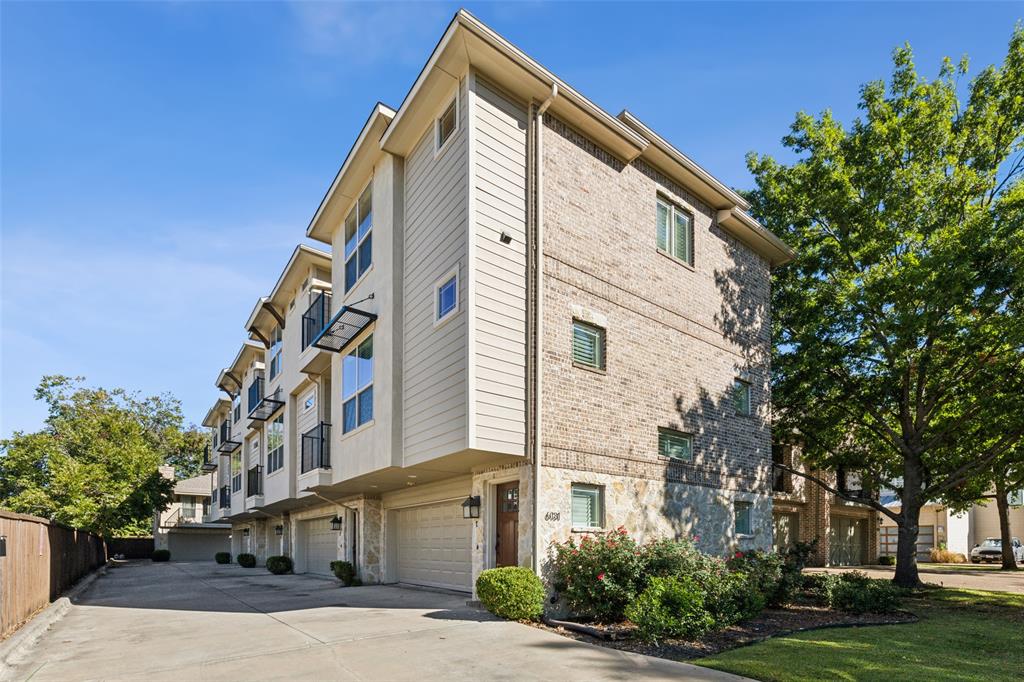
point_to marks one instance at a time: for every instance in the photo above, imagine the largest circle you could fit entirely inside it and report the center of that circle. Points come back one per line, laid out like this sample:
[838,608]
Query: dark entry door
[506,547]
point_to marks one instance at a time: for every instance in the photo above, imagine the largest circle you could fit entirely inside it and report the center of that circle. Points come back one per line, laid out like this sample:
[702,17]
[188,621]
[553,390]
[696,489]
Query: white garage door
[434,546]
[321,545]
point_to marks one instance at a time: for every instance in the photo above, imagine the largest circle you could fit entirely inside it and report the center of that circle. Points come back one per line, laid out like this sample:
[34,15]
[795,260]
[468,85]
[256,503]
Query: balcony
[208,464]
[314,360]
[262,407]
[254,482]
[227,446]
[345,326]
[316,448]
[225,497]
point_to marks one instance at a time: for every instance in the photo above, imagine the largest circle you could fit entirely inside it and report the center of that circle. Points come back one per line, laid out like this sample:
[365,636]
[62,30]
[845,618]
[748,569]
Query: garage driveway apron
[203,621]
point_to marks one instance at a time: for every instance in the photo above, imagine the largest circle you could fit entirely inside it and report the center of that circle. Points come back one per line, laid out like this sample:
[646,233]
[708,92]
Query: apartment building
[540,321]
[187,527]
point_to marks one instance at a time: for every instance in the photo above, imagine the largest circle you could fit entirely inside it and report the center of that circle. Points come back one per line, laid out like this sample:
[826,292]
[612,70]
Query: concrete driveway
[965,576]
[199,621]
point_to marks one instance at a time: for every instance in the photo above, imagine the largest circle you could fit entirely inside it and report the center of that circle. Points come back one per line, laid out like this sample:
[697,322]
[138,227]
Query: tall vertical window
[236,472]
[275,444]
[275,352]
[741,396]
[358,238]
[675,231]
[188,507]
[586,506]
[357,386]
[447,123]
[587,345]
[741,511]
[237,401]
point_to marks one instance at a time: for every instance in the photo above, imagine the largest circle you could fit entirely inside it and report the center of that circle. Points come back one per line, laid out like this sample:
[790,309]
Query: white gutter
[538,312]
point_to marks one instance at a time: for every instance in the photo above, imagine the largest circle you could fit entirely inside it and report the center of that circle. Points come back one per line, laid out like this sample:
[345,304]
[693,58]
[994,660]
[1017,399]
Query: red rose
[600,576]
[739,555]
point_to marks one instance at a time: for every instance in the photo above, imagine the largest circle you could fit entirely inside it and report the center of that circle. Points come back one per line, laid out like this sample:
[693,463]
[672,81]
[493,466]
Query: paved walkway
[950,575]
[182,621]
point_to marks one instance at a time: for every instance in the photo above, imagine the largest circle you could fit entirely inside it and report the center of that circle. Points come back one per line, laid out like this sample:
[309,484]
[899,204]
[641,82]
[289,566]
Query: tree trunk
[1003,507]
[906,548]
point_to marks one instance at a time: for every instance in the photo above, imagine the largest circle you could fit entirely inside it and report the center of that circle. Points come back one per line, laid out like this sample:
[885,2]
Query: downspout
[538,312]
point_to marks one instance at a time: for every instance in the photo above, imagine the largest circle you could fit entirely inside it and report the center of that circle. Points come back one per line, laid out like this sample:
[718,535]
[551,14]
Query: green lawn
[962,635]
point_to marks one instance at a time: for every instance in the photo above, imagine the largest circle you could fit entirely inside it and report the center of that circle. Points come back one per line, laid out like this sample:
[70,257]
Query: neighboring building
[187,528]
[939,527]
[537,320]
[804,511]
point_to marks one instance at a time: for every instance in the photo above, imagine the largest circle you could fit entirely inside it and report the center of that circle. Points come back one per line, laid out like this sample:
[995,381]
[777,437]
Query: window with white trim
[741,396]
[275,444]
[587,505]
[588,345]
[237,401]
[675,231]
[357,386]
[446,297]
[359,238]
[309,401]
[275,352]
[675,444]
[236,472]
[447,124]
[741,512]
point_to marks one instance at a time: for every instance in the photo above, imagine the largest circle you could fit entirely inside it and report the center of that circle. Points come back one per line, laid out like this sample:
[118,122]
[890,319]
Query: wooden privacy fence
[40,559]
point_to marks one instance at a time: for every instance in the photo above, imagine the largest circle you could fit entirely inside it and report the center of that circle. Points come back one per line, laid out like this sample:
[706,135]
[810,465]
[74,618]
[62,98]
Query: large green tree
[95,463]
[899,326]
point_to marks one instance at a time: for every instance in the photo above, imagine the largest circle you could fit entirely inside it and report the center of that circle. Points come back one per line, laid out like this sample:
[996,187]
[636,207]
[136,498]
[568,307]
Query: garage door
[320,545]
[888,541]
[846,541]
[196,546]
[434,546]
[925,542]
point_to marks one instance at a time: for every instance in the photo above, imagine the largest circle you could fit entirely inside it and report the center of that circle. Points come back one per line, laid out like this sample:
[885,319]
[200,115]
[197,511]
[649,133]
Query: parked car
[992,550]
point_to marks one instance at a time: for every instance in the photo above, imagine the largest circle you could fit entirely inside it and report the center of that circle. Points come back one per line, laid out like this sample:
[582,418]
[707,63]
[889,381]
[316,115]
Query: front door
[506,548]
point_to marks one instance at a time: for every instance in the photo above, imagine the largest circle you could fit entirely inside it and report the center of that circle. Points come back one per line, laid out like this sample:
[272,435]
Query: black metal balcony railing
[227,445]
[262,407]
[208,464]
[254,482]
[316,448]
[225,497]
[315,318]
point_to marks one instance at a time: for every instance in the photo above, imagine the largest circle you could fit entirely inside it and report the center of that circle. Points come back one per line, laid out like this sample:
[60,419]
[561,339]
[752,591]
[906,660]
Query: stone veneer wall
[677,336]
[484,485]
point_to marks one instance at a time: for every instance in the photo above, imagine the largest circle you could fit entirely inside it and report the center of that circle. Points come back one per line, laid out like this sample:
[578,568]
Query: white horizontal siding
[499,353]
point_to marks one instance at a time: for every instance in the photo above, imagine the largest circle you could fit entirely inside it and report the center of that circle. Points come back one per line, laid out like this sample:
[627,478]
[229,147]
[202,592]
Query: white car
[992,550]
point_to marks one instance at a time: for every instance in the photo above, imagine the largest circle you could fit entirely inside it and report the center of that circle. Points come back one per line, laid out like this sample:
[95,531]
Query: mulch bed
[770,623]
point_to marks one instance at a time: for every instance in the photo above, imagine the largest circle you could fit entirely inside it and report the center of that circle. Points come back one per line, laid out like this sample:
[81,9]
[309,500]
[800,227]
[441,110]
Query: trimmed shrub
[222,557]
[945,556]
[886,560]
[764,572]
[161,555]
[246,560]
[600,575]
[344,571]
[670,607]
[855,592]
[279,565]
[512,592]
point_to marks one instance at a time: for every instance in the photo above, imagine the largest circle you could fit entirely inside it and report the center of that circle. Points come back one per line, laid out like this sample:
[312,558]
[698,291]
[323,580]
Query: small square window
[586,506]
[675,444]
[587,345]
[446,297]
[446,124]
[741,510]
[741,396]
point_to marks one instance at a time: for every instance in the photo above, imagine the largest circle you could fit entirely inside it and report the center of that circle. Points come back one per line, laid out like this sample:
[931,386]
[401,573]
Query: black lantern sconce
[279,530]
[245,532]
[471,507]
[336,523]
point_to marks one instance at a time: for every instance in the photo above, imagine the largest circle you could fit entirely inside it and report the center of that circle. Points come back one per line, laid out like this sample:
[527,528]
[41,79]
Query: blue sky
[160,161]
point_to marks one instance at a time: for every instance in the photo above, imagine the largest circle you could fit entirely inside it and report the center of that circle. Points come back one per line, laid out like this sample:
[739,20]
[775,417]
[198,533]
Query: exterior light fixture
[279,530]
[505,238]
[336,523]
[245,532]
[471,507]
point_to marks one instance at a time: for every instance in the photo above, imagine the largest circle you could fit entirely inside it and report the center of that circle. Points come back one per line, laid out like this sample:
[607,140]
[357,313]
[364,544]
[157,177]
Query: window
[188,507]
[446,297]
[238,408]
[586,506]
[358,238]
[781,482]
[675,444]
[741,396]
[587,345]
[275,352]
[675,231]
[447,123]
[309,402]
[275,444]
[1016,498]
[236,472]
[357,386]
[213,495]
[742,512]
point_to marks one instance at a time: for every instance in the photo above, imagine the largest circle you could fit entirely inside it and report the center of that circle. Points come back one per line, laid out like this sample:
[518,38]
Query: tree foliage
[95,463]
[899,329]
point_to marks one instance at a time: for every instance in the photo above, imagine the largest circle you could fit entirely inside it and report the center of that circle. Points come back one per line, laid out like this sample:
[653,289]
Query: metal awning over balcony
[262,407]
[346,325]
[227,446]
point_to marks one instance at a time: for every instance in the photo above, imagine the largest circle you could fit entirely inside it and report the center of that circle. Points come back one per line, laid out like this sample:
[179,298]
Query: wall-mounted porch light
[279,530]
[336,523]
[471,507]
